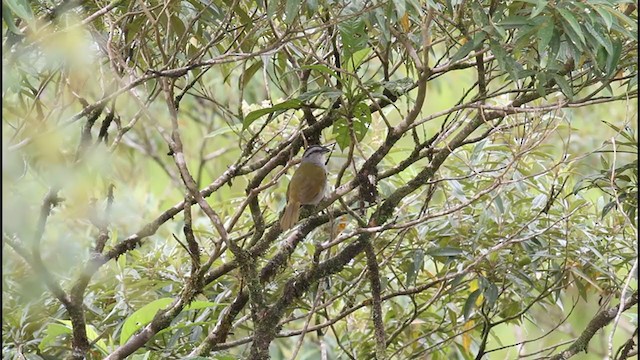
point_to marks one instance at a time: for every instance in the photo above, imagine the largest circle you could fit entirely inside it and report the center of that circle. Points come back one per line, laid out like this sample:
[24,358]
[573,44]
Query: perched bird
[307,184]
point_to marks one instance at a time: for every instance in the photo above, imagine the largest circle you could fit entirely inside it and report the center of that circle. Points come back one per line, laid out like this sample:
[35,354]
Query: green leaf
[400,7]
[499,204]
[564,85]
[249,72]
[462,52]
[341,130]
[320,68]
[625,133]
[54,330]
[573,23]
[312,6]
[20,8]
[223,130]
[354,37]
[141,318]
[479,15]
[470,303]
[330,93]
[632,23]
[145,314]
[514,22]
[356,59]
[605,15]
[468,46]
[7,16]
[445,251]
[607,208]
[602,40]
[51,332]
[197,305]
[545,32]
[541,81]
[283,106]
[415,266]
[505,60]
[477,150]
[540,6]
[362,120]
[614,59]
[491,293]
[291,10]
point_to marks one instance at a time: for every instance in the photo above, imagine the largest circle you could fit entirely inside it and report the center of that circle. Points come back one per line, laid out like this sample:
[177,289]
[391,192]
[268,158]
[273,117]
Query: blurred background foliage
[515,242]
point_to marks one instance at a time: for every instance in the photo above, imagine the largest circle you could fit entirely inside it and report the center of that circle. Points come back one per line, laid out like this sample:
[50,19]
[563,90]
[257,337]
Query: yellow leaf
[404,22]
[466,337]
[473,285]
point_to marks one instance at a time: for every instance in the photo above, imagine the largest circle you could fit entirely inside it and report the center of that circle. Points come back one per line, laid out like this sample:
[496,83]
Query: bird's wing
[307,183]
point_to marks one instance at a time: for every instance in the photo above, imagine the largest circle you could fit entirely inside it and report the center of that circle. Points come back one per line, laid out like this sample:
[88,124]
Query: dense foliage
[483,179]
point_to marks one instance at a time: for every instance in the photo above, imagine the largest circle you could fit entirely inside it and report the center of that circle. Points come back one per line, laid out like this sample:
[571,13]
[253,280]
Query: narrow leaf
[254,115]
[575,26]
[470,304]
[445,251]
[20,8]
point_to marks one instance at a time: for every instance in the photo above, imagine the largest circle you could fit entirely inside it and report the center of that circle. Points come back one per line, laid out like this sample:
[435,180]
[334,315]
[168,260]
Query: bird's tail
[290,216]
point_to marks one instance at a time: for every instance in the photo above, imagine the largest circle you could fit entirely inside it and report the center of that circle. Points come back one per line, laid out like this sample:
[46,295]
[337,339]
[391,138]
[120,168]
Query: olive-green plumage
[306,187]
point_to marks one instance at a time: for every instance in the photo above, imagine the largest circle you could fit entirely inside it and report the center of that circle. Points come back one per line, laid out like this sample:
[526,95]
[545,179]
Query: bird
[307,186]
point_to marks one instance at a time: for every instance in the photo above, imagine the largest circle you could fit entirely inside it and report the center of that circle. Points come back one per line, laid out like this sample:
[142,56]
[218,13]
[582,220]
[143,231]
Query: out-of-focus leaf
[145,314]
[458,191]
[602,40]
[606,16]
[7,16]
[564,85]
[326,91]
[251,70]
[514,22]
[320,68]
[52,331]
[341,130]
[505,60]
[614,59]
[545,32]
[607,208]
[400,7]
[573,23]
[539,201]
[490,293]
[445,251]
[223,130]
[356,59]
[470,303]
[20,8]
[142,317]
[540,6]
[477,150]
[465,49]
[362,120]
[415,266]
[291,10]
[354,37]
[499,204]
